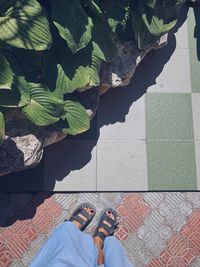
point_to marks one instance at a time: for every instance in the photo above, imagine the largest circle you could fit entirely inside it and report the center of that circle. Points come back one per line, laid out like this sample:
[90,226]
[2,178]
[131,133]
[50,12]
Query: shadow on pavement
[28,180]
[15,207]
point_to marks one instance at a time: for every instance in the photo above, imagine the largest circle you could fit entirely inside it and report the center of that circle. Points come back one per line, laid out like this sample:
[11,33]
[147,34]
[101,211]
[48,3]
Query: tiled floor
[156,229]
[145,136]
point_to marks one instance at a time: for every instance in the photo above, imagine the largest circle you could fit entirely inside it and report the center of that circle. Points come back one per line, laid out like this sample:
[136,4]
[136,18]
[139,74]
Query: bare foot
[89,211]
[97,240]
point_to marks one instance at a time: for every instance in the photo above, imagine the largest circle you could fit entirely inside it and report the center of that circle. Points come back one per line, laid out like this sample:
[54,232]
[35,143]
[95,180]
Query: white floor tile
[132,126]
[196,115]
[182,36]
[121,165]
[175,76]
[71,166]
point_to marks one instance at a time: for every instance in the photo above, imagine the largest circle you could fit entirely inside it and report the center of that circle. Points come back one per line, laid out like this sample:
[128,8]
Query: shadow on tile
[197,30]
[62,159]
[15,207]
[28,180]
[145,76]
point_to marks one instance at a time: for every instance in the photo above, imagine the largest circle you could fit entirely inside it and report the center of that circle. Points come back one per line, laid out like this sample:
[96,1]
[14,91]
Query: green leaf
[150,3]
[159,16]
[72,22]
[103,41]
[152,18]
[2,128]
[76,118]
[119,20]
[73,71]
[24,25]
[143,37]
[44,108]
[6,75]
[93,4]
[83,70]
[61,83]
[157,26]
[101,33]
[31,63]
[19,95]
[20,84]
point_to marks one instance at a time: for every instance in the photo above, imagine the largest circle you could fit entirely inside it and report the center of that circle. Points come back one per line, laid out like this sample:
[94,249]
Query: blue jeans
[69,247]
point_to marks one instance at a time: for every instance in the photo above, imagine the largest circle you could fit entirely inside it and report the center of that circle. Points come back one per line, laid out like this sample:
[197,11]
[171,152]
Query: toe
[89,210]
[110,214]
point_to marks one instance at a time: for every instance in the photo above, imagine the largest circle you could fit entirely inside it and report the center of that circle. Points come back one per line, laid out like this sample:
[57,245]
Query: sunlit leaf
[6,75]
[74,71]
[24,25]
[44,108]
[18,95]
[157,26]
[72,22]
[76,117]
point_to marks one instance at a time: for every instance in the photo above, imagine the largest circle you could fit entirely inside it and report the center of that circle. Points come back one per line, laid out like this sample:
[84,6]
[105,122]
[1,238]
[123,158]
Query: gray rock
[89,99]
[23,144]
[122,68]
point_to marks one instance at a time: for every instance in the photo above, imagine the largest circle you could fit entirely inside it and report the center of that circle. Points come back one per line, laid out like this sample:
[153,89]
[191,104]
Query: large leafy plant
[144,20]
[49,49]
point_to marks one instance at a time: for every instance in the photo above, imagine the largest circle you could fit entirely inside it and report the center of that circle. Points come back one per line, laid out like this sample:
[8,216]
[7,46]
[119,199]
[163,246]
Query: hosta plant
[49,49]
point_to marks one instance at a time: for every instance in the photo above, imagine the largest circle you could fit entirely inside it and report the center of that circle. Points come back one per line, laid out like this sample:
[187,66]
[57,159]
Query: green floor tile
[171,165]
[194,45]
[169,116]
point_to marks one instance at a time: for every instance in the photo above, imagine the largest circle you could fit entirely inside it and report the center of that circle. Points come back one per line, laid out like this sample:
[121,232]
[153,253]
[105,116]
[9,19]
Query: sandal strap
[109,229]
[108,219]
[78,219]
[80,211]
[84,213]
[101,235]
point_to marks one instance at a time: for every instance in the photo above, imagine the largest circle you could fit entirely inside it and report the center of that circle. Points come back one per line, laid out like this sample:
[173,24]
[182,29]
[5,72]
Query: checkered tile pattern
[148,132]
[145,136]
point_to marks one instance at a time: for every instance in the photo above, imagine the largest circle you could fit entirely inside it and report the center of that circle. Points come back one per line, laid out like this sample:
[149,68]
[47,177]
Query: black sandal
[80,210]
[109,229]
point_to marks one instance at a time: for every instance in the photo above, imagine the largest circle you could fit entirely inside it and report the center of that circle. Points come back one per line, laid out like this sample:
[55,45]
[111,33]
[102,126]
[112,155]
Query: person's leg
[104,230]
[67,246]
[114,253]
